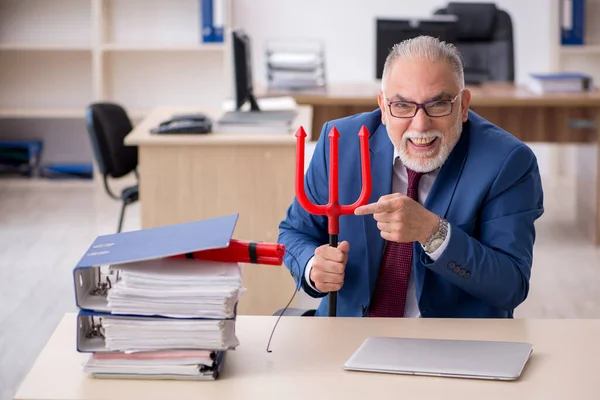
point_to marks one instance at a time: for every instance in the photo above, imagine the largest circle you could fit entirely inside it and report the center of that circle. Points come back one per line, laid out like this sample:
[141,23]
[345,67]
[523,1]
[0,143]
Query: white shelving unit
[584,58]
[58,56]
[584,50]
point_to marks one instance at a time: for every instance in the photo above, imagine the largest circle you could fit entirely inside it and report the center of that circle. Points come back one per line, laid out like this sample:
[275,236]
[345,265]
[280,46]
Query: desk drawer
[546,124]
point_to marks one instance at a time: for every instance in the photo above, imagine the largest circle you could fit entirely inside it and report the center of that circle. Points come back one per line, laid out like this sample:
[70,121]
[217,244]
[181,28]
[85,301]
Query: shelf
[201,47]
[39,80]
[157,21]
[44,47]
[580,50]
[143,80]
[47,21]
[58,113]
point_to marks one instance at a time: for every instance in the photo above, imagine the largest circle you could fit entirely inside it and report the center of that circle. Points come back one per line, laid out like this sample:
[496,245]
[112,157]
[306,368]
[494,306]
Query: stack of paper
[150,310]
[560,83]
[197,364]
[178,288]
[144,334]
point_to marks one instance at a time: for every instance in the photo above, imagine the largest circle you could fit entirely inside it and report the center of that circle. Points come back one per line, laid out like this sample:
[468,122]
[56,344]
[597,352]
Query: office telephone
[185,123]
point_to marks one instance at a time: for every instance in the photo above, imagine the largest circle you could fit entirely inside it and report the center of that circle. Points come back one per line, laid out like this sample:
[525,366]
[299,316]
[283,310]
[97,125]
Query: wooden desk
[191,177]
[528,116]
[523,113]
[309,353]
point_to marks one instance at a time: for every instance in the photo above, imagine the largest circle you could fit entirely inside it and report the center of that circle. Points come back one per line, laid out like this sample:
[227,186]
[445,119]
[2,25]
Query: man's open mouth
[423,142]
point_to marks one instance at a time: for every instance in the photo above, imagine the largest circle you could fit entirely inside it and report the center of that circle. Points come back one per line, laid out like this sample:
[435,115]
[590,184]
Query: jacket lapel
[381,153]
[441,193]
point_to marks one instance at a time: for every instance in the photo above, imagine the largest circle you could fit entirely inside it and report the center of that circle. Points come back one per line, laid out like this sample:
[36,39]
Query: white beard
[425,162]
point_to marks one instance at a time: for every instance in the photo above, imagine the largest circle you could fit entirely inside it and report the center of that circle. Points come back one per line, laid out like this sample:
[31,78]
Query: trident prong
[333,209]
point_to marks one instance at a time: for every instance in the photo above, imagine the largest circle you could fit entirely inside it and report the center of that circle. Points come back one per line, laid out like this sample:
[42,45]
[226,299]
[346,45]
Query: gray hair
[425,48]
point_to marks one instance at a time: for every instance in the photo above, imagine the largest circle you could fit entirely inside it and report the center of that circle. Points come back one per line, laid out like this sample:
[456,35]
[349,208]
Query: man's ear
[381,102]
[464,104]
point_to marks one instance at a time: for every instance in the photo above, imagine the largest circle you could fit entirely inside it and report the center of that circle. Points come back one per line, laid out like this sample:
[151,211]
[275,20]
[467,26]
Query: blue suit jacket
[490,191]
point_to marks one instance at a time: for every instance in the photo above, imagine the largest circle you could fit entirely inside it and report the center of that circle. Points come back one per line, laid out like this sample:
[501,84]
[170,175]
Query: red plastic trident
[333,209]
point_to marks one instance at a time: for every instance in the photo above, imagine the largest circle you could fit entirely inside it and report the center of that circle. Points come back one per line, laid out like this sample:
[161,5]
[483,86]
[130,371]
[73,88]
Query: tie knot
[413,179]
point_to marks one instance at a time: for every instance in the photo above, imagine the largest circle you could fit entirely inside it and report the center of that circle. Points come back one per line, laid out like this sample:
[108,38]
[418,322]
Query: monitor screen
[242,65]
[389,32]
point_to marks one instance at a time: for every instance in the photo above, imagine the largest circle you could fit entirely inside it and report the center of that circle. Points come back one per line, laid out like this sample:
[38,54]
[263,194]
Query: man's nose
[421,122]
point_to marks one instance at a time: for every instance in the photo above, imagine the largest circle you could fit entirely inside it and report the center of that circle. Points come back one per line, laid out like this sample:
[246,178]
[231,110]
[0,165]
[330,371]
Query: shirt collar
[396,155]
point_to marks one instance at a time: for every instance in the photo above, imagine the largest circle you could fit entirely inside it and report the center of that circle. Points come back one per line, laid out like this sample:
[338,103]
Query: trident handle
[332,304]
[333,209]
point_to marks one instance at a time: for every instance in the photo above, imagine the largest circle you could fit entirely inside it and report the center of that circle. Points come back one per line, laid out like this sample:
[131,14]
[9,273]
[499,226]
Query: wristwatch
[436,240]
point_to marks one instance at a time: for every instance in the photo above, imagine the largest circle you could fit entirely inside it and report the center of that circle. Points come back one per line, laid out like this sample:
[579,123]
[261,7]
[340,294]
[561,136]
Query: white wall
[347,28]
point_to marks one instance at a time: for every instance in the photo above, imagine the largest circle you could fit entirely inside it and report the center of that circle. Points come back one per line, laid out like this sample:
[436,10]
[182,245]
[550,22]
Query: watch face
[436,243]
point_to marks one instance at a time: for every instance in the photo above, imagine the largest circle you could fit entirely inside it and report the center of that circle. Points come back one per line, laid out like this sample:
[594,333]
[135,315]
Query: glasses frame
[423,105]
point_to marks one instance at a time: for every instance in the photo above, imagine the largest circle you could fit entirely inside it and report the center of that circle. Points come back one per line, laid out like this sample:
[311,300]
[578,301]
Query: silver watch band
[436,240]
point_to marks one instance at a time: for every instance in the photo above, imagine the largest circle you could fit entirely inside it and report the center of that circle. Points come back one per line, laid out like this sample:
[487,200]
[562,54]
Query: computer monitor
[244,91]
[389,32]
[242,65]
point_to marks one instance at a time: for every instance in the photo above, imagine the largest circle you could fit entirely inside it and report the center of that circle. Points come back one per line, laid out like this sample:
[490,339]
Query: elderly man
[449,230]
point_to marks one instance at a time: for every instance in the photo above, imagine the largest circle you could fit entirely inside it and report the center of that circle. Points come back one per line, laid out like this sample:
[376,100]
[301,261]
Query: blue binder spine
[207,25]
[572,22]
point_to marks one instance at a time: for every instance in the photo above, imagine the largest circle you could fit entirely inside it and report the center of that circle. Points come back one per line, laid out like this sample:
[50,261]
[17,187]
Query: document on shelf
[177,288]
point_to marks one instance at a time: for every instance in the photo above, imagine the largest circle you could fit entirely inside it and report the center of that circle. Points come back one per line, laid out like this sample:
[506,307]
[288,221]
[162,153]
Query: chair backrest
[107,125]
[485,41]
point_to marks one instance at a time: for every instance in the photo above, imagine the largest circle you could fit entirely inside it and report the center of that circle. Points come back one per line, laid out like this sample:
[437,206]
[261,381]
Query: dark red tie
[389,297]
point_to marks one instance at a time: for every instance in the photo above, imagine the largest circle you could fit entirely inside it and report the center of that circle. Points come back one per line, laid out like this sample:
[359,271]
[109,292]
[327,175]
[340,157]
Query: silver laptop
[439,357]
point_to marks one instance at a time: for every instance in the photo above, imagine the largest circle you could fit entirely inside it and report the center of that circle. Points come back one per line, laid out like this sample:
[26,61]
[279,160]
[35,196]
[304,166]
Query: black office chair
[485,40]
[108,124]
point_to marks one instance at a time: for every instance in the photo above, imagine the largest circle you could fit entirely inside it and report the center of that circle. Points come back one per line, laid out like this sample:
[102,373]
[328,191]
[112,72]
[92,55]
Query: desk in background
[191,177]
[309,354]
[550,118]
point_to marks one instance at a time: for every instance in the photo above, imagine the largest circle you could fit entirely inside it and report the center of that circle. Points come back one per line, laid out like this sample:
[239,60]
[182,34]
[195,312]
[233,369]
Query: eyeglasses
[433,108]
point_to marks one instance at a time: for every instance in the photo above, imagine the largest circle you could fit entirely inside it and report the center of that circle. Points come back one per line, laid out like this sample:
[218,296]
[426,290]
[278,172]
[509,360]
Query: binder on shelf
[213,20]
[572,16]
